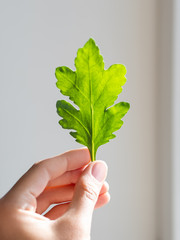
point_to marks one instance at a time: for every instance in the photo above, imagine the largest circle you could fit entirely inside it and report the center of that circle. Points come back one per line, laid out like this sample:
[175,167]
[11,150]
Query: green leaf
[94,90]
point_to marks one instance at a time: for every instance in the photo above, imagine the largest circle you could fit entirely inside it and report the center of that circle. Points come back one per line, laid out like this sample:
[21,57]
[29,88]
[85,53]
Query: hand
[70,180]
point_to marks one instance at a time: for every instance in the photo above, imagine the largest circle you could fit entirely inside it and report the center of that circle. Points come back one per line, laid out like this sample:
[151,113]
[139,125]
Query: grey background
[35,38]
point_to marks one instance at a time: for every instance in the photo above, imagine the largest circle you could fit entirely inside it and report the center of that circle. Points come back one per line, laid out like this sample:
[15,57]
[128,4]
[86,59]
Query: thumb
[87,191]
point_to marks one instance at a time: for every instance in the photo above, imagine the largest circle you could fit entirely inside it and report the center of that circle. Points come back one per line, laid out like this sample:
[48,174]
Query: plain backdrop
[36,37]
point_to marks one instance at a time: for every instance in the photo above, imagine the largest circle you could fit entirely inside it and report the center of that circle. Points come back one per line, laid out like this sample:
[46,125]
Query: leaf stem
[92,153]
[92,112]
[92,140]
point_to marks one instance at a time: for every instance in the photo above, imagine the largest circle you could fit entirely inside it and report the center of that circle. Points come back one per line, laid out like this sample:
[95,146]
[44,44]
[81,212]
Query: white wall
[164,120]
[38,36]
[176,123]
[168,98]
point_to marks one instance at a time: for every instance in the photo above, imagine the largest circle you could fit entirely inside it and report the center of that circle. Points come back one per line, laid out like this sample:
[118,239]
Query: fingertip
[103,200]
[99,170]
[102,162]
[82,153]
[108,197]
[105,188]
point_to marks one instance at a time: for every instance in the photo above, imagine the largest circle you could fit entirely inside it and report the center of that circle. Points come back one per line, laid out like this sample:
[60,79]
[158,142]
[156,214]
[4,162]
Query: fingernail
[99,171]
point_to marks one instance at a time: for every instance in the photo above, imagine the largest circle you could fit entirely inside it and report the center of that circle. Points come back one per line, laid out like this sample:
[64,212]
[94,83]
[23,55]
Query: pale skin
[70,180]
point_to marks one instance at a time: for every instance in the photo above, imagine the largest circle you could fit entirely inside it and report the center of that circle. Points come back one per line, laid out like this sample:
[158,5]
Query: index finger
[32,183]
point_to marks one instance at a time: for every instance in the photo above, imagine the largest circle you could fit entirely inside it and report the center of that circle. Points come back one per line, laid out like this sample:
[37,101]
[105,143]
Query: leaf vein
[78,121]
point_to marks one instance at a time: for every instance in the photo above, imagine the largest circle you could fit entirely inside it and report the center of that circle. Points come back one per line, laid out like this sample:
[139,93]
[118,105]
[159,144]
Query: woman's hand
[69,180]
